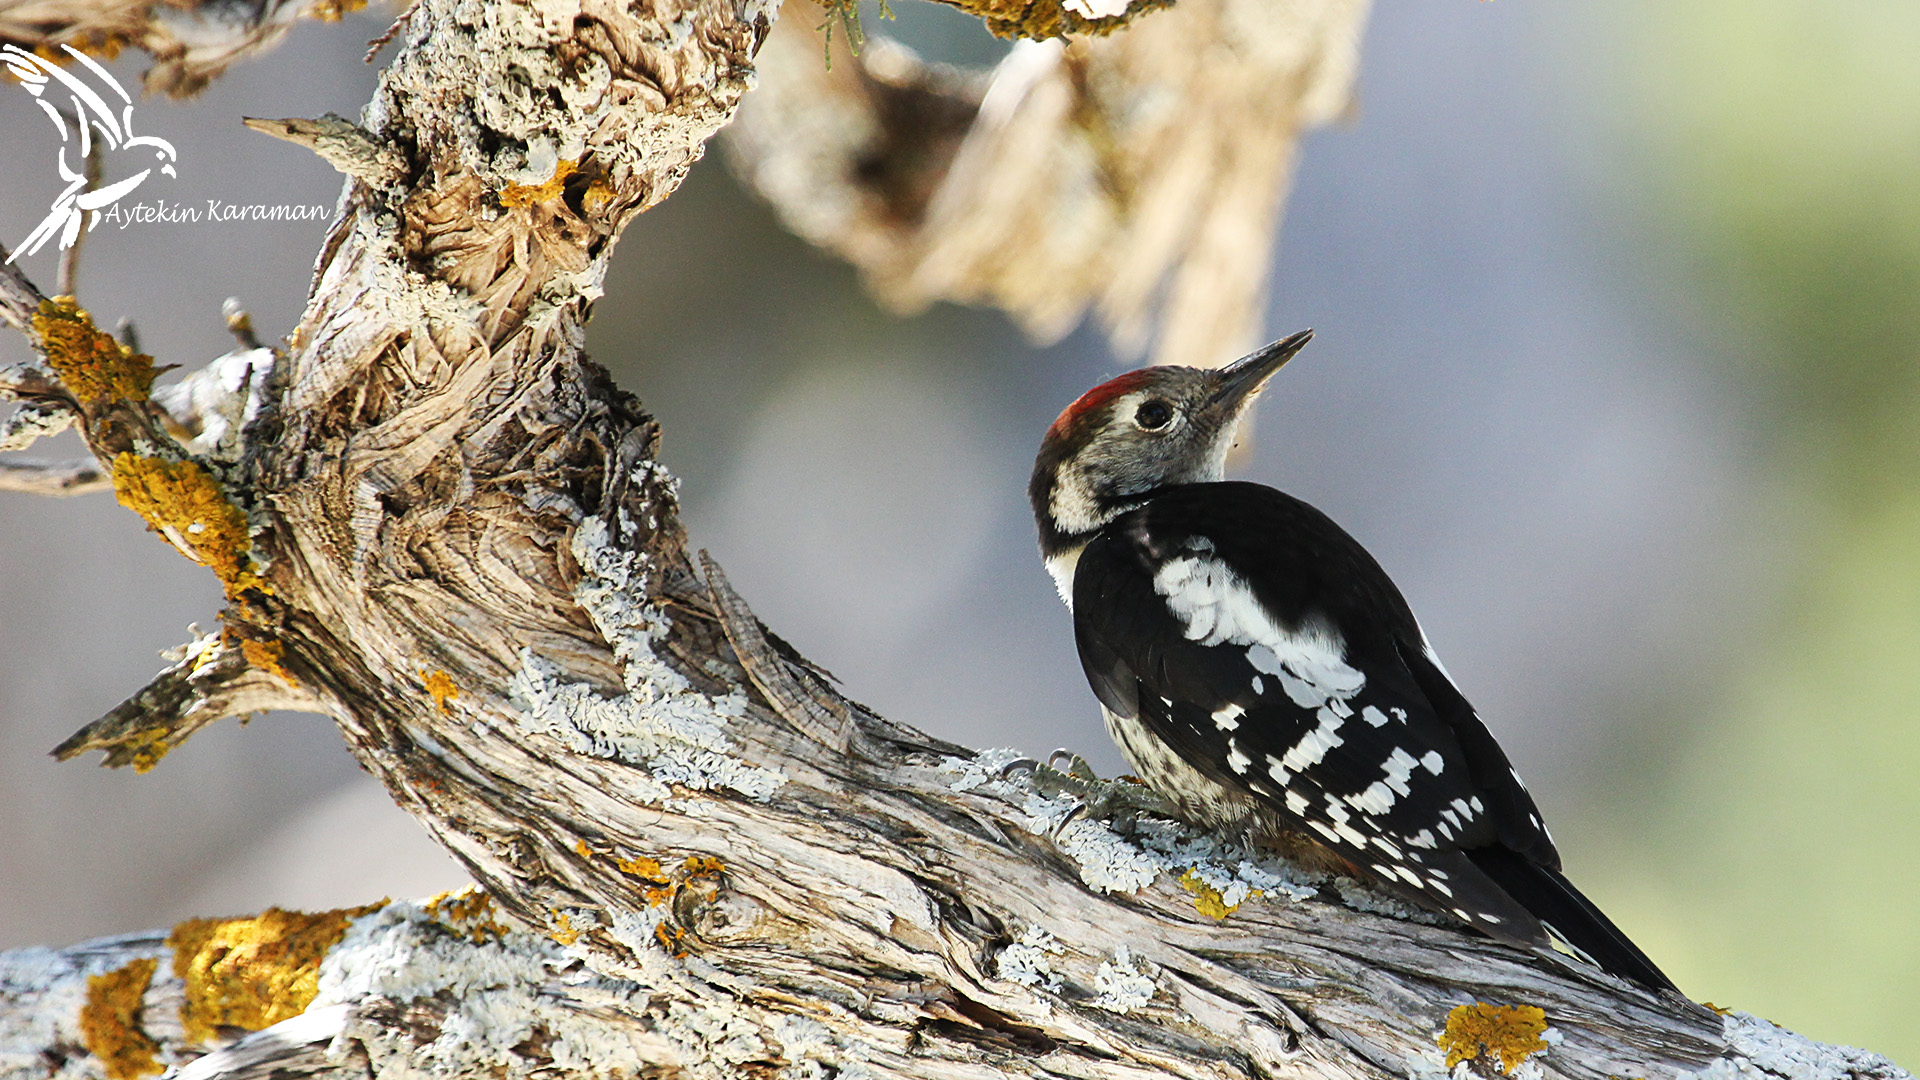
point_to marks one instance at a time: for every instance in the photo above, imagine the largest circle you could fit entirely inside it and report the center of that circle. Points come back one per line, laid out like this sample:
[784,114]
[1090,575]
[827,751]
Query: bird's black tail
[1568,915]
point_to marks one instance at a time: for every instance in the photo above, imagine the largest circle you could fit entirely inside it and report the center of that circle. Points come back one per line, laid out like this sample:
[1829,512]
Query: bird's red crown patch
[1097,398]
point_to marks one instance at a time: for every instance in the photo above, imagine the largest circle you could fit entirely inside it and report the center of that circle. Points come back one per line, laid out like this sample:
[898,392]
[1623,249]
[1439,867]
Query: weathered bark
[439,523]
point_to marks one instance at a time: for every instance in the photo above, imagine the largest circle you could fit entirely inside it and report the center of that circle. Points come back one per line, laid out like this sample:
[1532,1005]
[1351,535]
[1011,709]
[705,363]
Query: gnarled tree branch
[442,523]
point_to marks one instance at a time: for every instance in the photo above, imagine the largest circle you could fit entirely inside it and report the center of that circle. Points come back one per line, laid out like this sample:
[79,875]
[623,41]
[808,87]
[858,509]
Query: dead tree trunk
[440,524]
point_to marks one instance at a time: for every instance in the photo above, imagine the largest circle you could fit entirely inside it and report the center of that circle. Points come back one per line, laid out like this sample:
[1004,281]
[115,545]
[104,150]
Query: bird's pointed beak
[1243,378]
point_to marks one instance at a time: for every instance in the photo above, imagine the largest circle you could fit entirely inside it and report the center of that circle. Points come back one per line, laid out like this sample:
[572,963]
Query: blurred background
[1618,373]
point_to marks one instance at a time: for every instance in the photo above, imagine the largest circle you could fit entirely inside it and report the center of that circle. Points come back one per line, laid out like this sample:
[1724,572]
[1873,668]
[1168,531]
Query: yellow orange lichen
[335,10]
[98,43]
[662,884]
[528,194]
[101,43]
[110,1022]
[147,747]
[183,502]
[669,938]
[1207,899]
[91,362]
[642,867]
[563,931]
[440,685]
[702,866]
[253,973]
[1509,1033]
[266,655]
[596,197]
[468,911]
[1049,18]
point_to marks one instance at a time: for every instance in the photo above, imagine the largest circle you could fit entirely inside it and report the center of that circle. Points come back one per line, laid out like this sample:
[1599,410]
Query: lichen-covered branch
[812,958]
[437,521]
[210,679]
[1137,176]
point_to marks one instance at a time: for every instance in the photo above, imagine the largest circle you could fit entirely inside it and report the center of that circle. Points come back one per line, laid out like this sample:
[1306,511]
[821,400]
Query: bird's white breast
[1198,797]
[1061,566]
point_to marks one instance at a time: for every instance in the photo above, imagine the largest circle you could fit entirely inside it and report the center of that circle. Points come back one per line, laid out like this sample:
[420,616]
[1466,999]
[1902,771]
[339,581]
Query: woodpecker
[1261,672]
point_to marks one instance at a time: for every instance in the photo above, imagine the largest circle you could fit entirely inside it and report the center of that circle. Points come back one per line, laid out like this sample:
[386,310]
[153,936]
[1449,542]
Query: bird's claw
[1128,798]
[1063,773]
[1067,773]
[1030,766]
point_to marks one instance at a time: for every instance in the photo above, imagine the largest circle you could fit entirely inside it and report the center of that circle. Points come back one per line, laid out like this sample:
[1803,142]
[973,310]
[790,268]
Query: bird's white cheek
[1072,505]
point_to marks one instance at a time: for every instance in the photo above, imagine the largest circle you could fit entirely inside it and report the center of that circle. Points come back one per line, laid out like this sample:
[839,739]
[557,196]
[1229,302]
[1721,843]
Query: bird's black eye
[1153,414]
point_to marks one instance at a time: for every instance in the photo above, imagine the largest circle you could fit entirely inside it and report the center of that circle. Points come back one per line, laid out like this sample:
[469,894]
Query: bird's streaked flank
[1261,672]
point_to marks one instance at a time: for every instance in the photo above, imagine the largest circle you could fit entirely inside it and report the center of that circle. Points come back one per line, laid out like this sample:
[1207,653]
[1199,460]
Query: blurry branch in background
[70,258]
[192,41]
[53,477]
[195,41]
[1036,20]
[1138,175]
[19,298]
[437,522]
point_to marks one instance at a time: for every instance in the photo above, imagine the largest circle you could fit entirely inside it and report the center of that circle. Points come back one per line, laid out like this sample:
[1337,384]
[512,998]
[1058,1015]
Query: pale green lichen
[1122,986]
[1028,960]
[1199,861]
[1757,1049]
[502,1002]
[661,724]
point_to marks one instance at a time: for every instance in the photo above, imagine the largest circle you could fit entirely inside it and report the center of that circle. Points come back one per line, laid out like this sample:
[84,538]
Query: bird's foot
[1063,773]
[1066,773]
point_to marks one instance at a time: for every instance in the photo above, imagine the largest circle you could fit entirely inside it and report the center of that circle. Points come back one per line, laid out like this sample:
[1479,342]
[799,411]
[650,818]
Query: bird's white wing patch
[1216,607]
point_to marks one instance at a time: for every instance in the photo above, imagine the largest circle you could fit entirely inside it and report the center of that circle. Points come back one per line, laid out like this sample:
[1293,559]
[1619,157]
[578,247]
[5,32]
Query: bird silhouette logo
[93,116]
